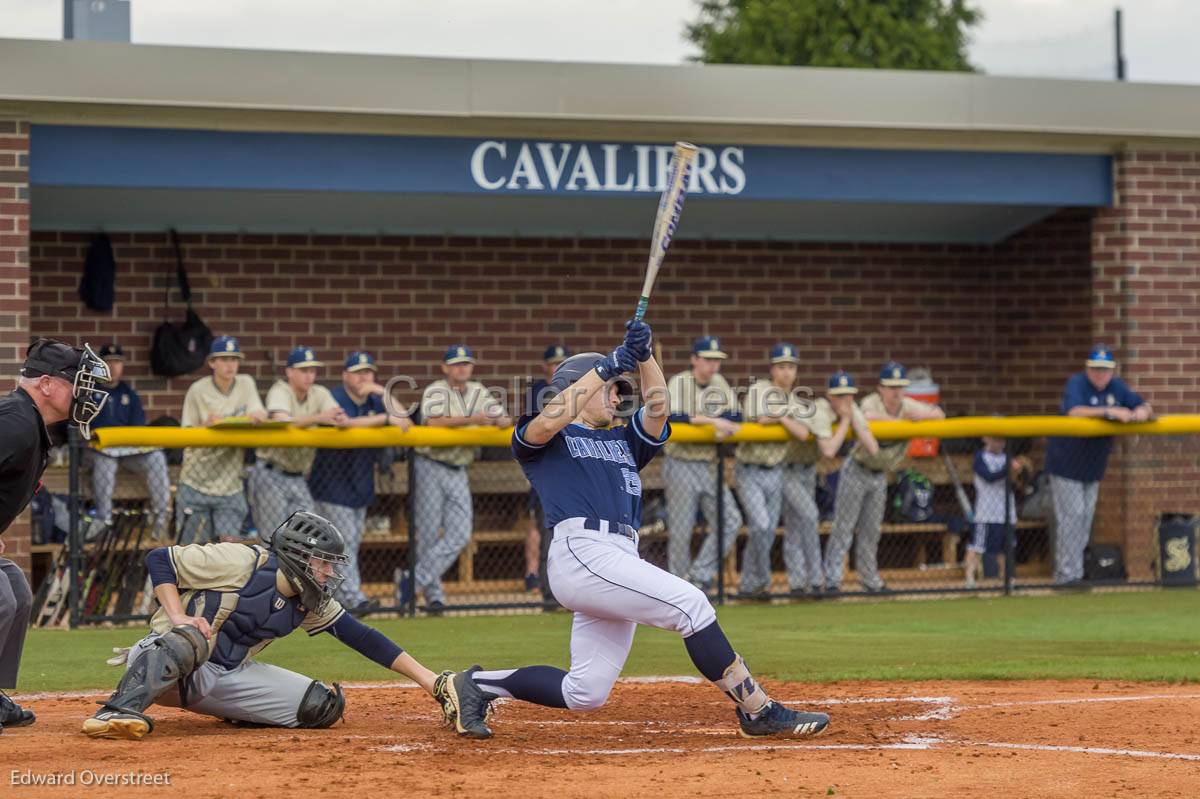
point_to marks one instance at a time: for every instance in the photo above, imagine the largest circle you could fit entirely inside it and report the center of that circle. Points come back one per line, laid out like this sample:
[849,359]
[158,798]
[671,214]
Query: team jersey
[347,476]
[689,398]
[213,471]
[892,452]
[1085,459]
[989,468]
[440,399]
[281,399]
[589,473]
[235,588]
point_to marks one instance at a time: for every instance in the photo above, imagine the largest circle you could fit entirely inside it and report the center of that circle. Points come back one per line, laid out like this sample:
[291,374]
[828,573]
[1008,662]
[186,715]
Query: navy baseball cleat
[465,704]
[779,720]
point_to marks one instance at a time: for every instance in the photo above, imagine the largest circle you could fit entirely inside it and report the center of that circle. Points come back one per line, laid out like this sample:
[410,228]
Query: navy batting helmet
[579,365]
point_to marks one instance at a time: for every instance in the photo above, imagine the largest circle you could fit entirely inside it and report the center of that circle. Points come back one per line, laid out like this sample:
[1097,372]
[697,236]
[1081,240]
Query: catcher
[235,600]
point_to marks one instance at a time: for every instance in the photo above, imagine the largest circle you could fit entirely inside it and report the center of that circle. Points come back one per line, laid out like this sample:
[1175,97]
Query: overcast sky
[1057,38]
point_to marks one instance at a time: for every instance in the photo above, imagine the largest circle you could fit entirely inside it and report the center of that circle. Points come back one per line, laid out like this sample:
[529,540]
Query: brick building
[989,229]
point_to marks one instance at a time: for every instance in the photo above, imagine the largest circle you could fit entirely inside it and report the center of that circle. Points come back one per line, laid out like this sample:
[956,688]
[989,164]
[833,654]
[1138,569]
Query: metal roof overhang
[868,155]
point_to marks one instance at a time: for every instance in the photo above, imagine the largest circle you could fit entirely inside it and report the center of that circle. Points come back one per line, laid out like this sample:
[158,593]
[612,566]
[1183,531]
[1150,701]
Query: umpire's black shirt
[24,451]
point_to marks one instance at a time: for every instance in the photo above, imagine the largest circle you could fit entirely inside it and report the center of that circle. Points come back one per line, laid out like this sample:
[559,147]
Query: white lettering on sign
[587,167]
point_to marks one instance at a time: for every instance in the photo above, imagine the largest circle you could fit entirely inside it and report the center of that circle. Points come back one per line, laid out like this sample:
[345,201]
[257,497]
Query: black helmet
[87,373]
[300,540]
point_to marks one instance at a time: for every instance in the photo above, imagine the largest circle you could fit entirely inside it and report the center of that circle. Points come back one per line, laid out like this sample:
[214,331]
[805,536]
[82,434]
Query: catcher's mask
[310,551]
[86,371]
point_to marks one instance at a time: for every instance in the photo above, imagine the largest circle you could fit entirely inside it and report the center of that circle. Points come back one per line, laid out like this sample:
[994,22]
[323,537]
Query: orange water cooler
[925,392]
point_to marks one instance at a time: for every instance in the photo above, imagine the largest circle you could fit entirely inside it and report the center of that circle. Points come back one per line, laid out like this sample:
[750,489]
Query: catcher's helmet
[300,541]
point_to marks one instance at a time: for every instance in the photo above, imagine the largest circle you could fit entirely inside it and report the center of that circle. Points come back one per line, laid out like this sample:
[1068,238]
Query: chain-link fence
[433,534]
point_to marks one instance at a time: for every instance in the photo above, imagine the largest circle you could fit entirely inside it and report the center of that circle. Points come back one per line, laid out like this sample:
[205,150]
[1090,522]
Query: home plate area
[672,737]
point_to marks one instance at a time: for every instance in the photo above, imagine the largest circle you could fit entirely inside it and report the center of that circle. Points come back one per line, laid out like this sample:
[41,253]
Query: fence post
[74,534]
[1010,530]
[411,514]
[720,525]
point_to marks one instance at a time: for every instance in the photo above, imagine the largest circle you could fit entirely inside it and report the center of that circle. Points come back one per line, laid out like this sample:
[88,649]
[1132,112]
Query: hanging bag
[179,349]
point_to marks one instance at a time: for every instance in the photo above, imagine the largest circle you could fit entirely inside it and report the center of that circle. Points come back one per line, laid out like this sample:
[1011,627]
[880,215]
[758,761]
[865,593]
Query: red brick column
[1146,305]
[14,284]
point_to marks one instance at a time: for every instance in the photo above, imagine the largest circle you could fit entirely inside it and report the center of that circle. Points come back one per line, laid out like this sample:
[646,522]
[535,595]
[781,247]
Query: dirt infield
[663,739]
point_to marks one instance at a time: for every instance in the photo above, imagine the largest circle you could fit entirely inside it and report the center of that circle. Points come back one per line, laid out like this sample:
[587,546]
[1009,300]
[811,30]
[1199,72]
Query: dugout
[989,229]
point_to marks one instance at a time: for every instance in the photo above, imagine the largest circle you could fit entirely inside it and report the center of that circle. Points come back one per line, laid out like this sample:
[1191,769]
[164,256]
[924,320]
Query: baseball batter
[862,482]
[586,473]
[221,605]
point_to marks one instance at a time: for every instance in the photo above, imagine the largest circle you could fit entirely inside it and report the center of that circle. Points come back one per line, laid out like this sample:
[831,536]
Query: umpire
[58,382]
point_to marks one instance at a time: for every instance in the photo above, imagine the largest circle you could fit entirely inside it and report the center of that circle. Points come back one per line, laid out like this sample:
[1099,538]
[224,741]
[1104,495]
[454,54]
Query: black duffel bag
[179,349]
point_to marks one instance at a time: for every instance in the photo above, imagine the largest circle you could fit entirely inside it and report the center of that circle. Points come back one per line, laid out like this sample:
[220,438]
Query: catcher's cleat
[469,706]
[112,724]
[779,720]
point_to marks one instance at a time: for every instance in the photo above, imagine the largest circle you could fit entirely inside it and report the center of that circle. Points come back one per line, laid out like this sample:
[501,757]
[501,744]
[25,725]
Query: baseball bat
[963,502]
[670,206]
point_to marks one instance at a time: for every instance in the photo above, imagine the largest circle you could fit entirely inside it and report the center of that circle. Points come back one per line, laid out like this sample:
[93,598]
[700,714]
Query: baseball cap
[302,358]
[842,382]
[784,353]
[556,353]
[1101,357]
[112,352]
[458,353]
[359,361]
[893,374]
[48,356]
[225,347]
[708,347]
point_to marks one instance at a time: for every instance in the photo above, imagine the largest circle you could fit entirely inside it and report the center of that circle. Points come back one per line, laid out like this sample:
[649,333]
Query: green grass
[1126,636]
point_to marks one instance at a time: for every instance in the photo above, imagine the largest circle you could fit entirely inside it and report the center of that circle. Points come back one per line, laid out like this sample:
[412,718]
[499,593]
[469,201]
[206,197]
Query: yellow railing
[325,437]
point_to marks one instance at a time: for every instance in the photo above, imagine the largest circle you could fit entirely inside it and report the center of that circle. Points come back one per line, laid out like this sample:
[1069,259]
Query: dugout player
[586,473]
[342,482]
[221,605]
[277,481]
[701,396]
[210,503]
[536,545]
[58,382]
[123,409]
[1076,465]
[442,494]
[862,482]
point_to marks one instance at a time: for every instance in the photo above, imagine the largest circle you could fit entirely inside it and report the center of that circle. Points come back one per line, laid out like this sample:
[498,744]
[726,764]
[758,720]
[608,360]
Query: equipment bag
[179,348]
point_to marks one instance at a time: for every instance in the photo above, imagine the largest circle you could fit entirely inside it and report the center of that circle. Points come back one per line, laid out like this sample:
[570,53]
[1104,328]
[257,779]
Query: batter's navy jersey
[589,473]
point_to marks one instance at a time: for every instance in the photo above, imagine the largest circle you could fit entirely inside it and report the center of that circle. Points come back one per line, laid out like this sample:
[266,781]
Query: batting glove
[618,362]
[637,338]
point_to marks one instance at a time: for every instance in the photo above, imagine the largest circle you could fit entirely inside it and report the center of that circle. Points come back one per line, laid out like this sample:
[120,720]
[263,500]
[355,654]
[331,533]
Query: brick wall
[1000,327]
[14,284]
[1146,295]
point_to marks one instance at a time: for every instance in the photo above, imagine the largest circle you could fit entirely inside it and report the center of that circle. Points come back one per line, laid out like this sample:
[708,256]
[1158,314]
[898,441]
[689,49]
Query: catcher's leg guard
[321,706]
[168,662]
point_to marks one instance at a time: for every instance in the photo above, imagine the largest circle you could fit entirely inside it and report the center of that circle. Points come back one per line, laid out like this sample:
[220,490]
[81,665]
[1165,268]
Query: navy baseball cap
[1101,357]
[842,382]
[784,353]
[893,374]
[458,353]
[112,352]
[556,353]
[708,347]
[225,347]
[302,358]
[358,361]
